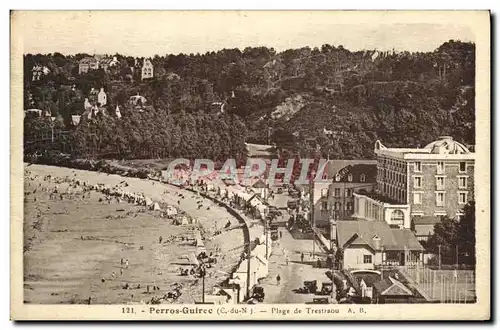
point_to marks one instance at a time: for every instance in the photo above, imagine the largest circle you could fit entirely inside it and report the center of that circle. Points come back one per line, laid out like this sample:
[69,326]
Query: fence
[444,285]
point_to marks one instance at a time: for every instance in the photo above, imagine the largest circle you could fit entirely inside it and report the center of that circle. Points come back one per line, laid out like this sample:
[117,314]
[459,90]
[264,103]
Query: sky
[159,32]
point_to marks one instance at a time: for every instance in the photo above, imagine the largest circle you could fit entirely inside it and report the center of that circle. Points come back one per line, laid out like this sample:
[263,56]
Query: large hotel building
[429,182]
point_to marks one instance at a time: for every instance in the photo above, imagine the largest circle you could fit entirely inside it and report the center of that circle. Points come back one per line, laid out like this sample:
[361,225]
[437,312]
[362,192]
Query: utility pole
[311,212]
[203,273]
[249,250]
[333,250]
[267,242]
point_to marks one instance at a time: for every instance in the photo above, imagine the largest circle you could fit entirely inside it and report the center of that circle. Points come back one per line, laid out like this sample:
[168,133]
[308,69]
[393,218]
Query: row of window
[337,206]
[440,182]
[393,164]
[391,176]
[440,197]
[390,190]
[462,167]
[348,192]
[362,178]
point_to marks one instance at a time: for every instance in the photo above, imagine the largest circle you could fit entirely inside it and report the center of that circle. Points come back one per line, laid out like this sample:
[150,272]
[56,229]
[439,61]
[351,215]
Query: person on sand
[126,263]
[278,280]
[160,239]
[121,271]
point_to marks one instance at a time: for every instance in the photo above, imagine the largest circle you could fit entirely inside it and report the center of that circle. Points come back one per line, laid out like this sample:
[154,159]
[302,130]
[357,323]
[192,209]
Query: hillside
[289,98]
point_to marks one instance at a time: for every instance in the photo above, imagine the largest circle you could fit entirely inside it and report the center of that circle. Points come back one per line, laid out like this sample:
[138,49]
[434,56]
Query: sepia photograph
[221,165]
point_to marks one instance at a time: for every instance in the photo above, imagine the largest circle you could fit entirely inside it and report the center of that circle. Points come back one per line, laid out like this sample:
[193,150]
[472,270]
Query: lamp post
[332,250]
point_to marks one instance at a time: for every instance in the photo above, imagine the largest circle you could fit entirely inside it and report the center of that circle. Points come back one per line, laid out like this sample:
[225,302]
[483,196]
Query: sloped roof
[392,287]
[259,184]
[87,60]
[391,239]
[368,170]
[108,60]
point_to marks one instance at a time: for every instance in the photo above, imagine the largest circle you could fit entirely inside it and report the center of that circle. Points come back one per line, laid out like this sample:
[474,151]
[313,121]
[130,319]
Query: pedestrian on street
[302,257]
[281,234]
[287,260]
[278,280]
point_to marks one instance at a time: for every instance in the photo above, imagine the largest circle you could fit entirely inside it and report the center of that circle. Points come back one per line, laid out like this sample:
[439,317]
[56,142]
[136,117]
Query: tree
[451,235]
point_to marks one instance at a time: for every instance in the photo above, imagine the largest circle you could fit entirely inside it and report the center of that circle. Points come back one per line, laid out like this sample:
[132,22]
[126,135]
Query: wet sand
[74,246]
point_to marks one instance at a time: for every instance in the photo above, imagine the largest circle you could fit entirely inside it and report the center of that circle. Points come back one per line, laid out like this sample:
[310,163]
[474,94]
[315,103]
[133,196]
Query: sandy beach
[75,241]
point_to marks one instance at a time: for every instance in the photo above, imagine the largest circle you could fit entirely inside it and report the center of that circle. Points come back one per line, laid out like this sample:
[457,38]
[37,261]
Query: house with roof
[369,244]
[108,63]
[423,227]
[33,113]
[261,188]
[137,100]
[147,70]
[87,64]
[38,71]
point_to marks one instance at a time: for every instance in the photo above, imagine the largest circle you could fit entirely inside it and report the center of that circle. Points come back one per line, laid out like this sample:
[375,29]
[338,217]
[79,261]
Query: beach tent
[198,239]
[171,211]
[156,207]
[184,220]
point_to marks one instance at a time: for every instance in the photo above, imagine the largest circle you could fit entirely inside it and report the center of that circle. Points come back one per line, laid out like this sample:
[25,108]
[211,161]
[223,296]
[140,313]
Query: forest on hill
[328,100]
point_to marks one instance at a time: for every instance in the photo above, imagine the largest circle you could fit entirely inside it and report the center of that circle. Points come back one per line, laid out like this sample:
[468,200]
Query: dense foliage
[403,99]
[452,236]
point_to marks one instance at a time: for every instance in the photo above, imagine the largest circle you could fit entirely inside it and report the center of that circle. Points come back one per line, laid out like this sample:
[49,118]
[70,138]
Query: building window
[349,178]
[397,218]
[324,192]
[337,192]
[348,192]
[337,177]
[440,167]
[418,167]
[362,178]
[462,182]
[337,206]
[462,167]
[324,206]
[440,183]
[440,199]
[462,197]
[349,206]
[417,198]
[417,182]
[367,259]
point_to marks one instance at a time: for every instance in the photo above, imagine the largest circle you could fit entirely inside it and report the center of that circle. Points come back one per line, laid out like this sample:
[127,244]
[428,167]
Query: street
[295,273]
